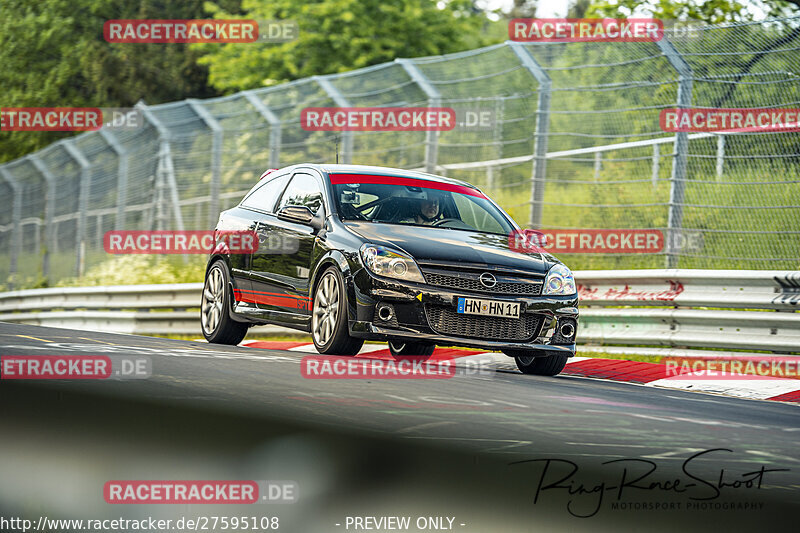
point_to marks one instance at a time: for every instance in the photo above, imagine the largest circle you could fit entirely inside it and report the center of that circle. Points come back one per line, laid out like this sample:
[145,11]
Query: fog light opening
[567,330]
[385,312]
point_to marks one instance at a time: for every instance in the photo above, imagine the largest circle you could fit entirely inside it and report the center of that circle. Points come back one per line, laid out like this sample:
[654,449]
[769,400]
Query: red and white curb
[647,374]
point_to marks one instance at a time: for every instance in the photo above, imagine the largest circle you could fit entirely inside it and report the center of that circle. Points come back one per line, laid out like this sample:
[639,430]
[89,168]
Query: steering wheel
[353,212]
[444,221]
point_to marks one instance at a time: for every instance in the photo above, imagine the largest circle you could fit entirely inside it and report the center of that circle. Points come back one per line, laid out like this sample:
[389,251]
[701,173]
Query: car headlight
[389,263]
[559,281]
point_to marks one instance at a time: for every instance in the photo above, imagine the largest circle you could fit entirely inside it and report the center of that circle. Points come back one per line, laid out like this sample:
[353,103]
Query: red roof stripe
[337,179]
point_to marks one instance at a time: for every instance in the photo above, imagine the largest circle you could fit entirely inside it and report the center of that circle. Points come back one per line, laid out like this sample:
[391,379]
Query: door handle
[261,232]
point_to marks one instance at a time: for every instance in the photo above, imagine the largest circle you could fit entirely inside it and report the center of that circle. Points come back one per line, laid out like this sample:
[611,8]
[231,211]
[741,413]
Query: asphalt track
[478,442]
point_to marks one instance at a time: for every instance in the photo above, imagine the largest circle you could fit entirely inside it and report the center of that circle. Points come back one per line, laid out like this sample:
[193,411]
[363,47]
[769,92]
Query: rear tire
[400,348]
[550,365]
[215,321]
[329,316]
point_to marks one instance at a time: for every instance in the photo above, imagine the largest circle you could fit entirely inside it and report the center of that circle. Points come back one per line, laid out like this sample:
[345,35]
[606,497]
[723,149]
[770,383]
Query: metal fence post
[340,101]
[83,203]
[216,157]
[680,154]
[165,162]
[16,217]
[49,212]
[541,132]
[274,127]
[122,176]
[720,155]
[598,165]
[434,100]
[656,165]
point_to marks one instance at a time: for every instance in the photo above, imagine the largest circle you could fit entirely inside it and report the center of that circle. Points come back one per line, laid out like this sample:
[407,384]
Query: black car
[350,253]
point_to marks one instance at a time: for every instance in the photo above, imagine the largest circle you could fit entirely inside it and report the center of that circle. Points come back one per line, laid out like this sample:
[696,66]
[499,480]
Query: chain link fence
[576,143]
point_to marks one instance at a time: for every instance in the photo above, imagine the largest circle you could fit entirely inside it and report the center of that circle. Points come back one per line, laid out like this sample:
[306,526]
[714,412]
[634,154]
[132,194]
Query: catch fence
[575,143]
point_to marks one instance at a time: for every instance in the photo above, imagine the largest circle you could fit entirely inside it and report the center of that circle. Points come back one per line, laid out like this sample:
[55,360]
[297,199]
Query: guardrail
[140,309]
[731,309]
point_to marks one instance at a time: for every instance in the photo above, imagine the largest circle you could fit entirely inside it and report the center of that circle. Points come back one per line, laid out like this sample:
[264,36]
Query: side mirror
[300,214]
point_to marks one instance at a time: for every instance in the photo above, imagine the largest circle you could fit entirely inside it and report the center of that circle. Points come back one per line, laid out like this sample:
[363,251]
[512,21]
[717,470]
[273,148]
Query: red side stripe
[275,294]
[280,301]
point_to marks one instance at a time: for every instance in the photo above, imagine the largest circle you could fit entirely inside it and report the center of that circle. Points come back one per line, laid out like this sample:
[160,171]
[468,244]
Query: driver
[427,210]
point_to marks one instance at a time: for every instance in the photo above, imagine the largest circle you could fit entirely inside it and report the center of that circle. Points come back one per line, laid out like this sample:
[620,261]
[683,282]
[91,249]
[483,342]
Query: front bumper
[411,321]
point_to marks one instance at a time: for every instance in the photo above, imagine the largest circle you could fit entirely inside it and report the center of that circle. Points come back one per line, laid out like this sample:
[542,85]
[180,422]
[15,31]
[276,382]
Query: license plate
[473,306]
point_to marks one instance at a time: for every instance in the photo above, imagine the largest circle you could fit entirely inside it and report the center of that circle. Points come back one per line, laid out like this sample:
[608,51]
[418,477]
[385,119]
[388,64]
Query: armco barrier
[734,309]
[730,309]
[142,309]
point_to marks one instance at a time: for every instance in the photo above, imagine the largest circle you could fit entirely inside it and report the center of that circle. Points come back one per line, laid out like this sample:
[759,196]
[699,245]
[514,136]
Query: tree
[339,36]
[710,11]
[578,8]
[523,9]
[54,55]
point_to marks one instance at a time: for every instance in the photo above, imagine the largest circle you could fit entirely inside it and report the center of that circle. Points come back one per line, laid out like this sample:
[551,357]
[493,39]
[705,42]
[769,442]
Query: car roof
[384,171]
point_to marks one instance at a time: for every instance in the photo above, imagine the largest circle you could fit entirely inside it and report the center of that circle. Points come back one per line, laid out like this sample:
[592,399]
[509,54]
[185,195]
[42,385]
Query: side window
[304,190]
[264,197]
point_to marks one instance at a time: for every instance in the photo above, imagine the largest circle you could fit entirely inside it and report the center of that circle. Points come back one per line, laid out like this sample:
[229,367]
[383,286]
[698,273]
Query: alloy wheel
[326,309]
[213,297]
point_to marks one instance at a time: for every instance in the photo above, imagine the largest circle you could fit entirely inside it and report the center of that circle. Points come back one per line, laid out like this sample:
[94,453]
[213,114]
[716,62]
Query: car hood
[427,244]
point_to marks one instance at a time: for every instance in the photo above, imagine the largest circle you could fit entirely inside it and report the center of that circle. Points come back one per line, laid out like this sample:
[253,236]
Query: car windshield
[416,202]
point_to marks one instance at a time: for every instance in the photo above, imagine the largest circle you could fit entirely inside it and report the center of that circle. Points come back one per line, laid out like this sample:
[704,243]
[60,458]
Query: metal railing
[736,310]
[733,309]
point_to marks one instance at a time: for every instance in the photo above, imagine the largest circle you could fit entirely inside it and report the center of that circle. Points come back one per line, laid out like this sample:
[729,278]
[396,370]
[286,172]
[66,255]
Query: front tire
[329,316]
[400,348]
[549,365]
[215,321]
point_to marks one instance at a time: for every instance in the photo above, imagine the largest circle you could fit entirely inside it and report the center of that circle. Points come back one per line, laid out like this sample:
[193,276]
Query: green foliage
[141,270]
[339,36]
[54,55]
[710,11]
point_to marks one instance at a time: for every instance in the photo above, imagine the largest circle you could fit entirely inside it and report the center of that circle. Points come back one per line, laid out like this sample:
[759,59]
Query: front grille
[444,321]
[471,282]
